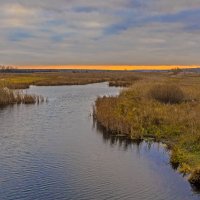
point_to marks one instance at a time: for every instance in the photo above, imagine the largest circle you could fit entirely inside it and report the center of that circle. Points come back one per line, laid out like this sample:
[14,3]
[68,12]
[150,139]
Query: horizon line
[107,67]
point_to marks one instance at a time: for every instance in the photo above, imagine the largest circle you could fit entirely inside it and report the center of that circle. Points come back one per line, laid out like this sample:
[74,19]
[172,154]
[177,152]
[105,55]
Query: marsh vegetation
[164,108]
[22,81]
[10,82]
[10,97]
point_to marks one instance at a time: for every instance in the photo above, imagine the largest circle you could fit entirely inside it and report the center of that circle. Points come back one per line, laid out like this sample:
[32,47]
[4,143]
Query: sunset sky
[99,32]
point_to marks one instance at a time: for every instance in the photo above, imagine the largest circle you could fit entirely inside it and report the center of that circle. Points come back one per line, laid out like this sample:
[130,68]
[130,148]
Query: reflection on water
[126,143]
[121,141]
[51,151]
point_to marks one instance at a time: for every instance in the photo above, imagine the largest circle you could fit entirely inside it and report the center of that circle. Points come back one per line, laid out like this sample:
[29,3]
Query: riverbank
[23,81]
[167,110]
[12,81]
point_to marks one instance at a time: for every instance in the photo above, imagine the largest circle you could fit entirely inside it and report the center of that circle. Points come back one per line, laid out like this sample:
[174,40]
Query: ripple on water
[52,151]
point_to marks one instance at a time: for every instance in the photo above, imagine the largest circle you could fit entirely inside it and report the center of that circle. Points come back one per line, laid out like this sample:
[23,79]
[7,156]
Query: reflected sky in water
[53,151]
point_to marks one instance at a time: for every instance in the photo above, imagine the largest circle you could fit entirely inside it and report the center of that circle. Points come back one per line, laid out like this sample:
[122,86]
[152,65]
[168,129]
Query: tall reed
[9,97]
[167,113]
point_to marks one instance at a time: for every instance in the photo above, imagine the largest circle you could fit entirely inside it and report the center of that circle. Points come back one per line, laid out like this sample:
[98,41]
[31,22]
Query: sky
[99,32]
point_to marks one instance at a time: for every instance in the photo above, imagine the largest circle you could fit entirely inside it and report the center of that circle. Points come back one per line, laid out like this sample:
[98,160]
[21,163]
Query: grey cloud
[60,34]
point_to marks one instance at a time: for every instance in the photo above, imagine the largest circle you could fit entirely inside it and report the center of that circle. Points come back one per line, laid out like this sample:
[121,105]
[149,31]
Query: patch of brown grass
[167,93]
[9,97]
[22,81]
[171,114]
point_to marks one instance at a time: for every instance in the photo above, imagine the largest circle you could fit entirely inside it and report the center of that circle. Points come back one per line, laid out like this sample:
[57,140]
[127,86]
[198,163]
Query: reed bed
[10,97]
[168,111]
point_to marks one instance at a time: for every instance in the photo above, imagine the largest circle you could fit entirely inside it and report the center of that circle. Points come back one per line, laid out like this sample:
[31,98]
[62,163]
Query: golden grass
[21,81]
[167,93]
[165,108]
[195,178]
[10,97]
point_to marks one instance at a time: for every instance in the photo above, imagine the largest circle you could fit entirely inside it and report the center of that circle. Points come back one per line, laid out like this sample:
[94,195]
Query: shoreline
[137,115]
[166,145]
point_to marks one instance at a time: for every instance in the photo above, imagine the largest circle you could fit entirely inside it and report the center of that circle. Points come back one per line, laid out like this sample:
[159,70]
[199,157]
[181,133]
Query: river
[54,151]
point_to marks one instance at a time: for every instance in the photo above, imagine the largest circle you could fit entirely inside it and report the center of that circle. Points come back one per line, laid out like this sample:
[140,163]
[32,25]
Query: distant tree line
[5,69]
[10,69]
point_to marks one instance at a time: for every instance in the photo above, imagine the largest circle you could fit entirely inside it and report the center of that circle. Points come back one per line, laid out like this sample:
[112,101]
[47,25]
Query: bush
[165,93]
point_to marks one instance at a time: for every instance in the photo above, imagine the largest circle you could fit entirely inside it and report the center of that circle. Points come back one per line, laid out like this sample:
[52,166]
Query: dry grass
[195,178]
[22,81]
[150,109]
[167,93]
[7,97]
[10,97]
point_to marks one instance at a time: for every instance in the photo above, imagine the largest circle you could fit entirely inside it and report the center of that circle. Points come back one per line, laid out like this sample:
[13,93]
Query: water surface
[53,151]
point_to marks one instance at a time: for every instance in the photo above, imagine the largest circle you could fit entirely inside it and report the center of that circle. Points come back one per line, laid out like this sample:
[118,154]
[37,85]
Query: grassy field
[164,107]
[22,81]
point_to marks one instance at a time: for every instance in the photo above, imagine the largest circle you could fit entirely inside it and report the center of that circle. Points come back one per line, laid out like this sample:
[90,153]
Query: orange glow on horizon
[108,67]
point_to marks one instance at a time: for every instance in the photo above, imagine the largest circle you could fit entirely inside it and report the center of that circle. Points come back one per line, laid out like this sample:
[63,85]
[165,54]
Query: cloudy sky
[98,32]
